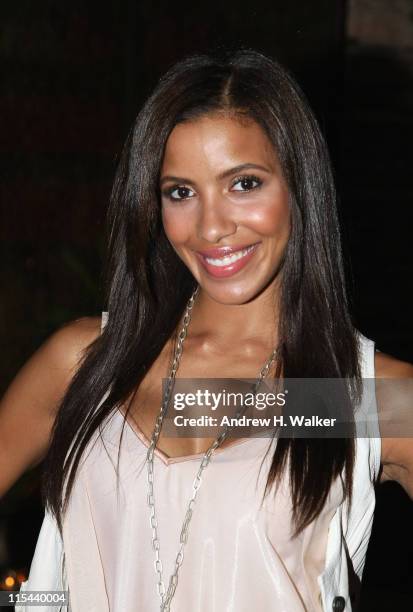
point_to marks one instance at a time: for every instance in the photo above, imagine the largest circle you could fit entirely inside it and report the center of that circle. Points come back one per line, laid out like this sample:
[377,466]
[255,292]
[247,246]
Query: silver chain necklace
[166,598]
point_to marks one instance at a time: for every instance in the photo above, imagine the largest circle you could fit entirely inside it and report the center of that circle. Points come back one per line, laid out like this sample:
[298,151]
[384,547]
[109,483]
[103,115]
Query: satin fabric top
[240,554]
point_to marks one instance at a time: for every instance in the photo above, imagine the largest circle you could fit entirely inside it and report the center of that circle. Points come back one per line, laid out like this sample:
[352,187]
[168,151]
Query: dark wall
[376,155]
[376,131]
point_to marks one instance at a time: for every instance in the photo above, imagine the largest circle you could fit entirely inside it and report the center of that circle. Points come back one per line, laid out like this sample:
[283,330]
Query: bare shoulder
[31,401]
[397,453]
[48,371]
[387,366]
[62,353]
[68,344]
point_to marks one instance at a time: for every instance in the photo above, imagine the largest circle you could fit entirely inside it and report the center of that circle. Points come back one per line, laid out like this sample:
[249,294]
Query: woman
[225,262]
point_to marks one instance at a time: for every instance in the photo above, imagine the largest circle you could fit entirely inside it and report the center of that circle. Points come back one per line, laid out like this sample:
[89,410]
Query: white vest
[348,535]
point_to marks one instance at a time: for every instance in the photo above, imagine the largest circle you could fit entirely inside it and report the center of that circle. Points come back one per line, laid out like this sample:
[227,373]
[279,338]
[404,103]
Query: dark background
[73,78]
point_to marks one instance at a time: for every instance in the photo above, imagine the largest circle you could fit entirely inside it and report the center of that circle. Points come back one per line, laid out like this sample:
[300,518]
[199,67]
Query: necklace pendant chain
[167,595]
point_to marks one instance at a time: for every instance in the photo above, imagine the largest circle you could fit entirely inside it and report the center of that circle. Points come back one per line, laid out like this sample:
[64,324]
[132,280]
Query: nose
[215,220]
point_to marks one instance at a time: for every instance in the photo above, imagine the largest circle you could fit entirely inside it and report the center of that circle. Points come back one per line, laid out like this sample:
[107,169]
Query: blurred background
[73,78]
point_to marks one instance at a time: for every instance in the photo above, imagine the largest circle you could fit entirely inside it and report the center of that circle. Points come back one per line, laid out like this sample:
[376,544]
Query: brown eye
[178,192]
[246,183]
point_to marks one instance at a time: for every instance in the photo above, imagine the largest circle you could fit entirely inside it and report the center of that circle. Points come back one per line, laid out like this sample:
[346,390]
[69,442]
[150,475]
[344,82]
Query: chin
[230,295]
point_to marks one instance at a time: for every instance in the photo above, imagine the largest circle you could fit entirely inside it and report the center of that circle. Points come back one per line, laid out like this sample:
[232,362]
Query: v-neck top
[166,459]
[239,556]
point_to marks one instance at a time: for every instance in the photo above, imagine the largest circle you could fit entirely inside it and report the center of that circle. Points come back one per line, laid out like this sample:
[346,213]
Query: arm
[397,452]
[30,403]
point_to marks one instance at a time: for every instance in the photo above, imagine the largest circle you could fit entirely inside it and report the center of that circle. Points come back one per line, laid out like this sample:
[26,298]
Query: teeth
[229,259]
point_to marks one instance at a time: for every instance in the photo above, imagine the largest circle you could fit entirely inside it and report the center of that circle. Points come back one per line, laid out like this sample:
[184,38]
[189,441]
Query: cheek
[272,217]
[177,225]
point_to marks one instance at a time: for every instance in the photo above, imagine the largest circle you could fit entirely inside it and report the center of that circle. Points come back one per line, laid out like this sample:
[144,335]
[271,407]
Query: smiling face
[225,206]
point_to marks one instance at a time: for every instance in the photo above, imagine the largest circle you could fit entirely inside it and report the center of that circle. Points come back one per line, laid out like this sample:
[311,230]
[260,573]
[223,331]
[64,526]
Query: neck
[234,324]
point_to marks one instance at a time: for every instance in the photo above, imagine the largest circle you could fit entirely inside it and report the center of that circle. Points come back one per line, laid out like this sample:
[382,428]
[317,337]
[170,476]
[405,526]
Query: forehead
[217,140]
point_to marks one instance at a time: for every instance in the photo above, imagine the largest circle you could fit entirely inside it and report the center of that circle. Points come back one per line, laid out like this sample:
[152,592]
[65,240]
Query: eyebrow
[223,175]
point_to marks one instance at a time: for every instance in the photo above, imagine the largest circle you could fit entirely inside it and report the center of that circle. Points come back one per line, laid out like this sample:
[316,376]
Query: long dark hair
[316,334]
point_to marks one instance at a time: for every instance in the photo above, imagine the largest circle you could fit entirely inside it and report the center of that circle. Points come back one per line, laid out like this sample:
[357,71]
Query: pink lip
[230,269]
[217,252]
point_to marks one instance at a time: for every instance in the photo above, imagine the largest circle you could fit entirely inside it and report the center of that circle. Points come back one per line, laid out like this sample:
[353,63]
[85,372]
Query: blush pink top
[239,556]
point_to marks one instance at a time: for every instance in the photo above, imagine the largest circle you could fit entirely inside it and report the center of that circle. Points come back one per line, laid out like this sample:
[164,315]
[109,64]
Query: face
[225,206]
